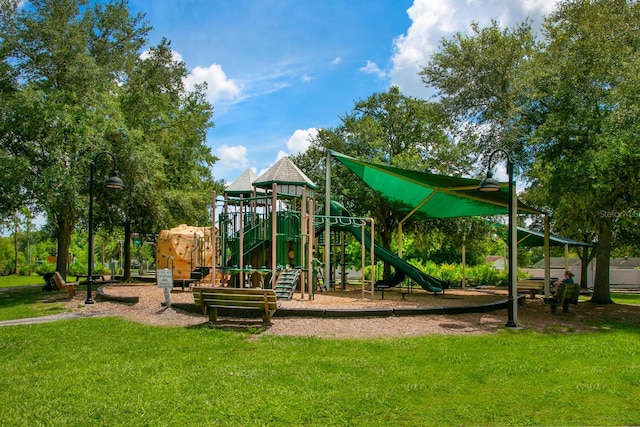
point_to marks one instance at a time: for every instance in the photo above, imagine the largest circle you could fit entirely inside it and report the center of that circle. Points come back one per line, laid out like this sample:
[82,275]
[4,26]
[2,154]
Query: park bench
[567,293]
[68,287]
[213,298]
[533,286]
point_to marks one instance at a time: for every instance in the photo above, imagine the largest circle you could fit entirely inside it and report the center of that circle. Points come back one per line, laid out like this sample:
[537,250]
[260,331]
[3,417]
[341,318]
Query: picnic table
[86,277]
[533,285]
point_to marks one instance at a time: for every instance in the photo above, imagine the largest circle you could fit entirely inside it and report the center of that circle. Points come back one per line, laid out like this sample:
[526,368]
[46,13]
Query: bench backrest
[570,291]
[235,297]
[57,278]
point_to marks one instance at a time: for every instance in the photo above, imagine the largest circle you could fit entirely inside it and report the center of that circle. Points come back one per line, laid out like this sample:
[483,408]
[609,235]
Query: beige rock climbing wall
[179,243]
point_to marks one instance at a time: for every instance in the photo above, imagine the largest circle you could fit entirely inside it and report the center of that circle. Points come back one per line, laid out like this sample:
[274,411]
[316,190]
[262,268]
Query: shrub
[45,267]
[451,274]
[484,275]
[379,271]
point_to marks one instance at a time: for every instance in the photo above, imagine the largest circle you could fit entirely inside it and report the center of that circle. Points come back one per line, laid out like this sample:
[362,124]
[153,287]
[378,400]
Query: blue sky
[278,70]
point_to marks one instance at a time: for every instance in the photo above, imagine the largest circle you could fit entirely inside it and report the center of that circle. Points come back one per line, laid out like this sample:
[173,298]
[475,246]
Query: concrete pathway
[45,319]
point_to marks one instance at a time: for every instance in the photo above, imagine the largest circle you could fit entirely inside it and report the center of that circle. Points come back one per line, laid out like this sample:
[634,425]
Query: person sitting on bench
[568,278]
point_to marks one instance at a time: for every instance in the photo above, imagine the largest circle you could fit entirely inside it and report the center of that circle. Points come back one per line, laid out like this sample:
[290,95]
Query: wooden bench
[532,286]
[568,293]
[212,298]
[68,287]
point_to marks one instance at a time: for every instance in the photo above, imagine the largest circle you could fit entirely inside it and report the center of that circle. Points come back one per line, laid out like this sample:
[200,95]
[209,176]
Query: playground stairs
[286,283]
[255,234]
[199,273]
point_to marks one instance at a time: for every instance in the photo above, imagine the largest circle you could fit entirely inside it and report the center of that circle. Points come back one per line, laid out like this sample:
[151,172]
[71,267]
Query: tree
[585,96]
[13,169]
[67,59]
[76,73]
[168,163]
[479,81]
[571,114]
[388,128]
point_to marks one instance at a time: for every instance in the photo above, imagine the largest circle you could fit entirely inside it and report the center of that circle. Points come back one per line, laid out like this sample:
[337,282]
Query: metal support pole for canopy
[327,227]
[464,262]
[213,239]
[547,259]
[310,242]
[274,234]
[241,242]
[303,232]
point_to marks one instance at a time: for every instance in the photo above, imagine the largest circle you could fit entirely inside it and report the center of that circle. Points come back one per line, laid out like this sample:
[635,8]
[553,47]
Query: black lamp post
[113,182]
[491,185]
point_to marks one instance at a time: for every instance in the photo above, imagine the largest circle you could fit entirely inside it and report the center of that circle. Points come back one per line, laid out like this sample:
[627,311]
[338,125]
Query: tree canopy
[388,128]
[75,82]
[571,111]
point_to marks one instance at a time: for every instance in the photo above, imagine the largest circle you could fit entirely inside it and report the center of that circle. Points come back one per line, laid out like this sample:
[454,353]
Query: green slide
[428,283]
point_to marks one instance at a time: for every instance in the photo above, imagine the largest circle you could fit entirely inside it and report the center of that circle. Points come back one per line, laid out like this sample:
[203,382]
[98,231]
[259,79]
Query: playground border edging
[127,300]
[388,312]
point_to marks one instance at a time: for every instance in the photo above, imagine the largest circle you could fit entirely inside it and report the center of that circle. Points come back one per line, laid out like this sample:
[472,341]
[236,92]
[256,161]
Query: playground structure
[268,232]
[270,235]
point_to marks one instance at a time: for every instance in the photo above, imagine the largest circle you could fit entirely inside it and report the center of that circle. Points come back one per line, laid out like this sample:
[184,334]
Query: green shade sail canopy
[531,238]
[429,195]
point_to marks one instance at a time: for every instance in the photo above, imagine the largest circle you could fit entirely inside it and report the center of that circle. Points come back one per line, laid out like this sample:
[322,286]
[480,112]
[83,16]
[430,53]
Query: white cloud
[372,68]
[433,20]
[233,157]
[500,172]
[543,7]
[300,141]
[263,170]
[297,143]
[266,83]
[219,86]
[176,56]
[336,60]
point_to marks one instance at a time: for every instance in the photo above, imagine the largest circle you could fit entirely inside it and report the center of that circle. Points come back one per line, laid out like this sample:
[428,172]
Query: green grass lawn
[625,298]
[30,302]
[11,281]
[109,371]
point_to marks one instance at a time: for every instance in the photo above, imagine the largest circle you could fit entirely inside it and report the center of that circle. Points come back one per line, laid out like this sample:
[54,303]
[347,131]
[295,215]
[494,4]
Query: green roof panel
[430,195]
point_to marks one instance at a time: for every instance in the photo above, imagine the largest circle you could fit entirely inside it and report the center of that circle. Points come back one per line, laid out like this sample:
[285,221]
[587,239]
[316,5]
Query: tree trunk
[601,294]
[127,251]
[65,227]
[15,245]
[586,254]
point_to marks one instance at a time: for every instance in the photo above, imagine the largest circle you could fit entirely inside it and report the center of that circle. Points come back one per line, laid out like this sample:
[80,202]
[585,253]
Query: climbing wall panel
[180,243]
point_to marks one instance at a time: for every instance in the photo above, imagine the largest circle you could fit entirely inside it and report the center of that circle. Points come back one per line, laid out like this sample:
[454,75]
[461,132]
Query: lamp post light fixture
[489,184]
[113,182]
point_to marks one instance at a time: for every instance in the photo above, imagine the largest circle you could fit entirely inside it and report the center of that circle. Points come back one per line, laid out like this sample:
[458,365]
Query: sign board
[165,278]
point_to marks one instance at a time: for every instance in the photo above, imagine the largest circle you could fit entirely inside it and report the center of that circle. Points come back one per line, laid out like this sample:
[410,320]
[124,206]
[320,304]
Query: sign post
[165,281]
